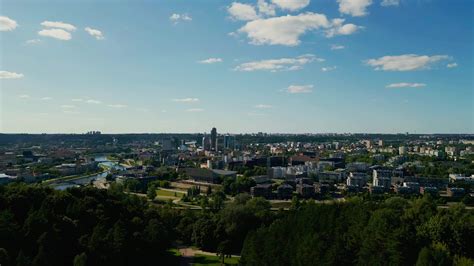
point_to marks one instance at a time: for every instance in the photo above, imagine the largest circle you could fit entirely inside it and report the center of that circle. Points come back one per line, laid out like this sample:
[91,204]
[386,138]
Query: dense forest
[363,232]
[87,226]
[41,226]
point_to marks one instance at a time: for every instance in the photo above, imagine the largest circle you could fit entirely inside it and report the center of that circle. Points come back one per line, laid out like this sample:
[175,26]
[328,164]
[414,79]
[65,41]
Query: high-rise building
[229,142]
[214,139]
[205,142]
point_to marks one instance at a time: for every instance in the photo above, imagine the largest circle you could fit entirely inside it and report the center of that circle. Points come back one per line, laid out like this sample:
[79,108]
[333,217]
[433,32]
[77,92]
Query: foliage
[239,185]
[395,231]
[81,226]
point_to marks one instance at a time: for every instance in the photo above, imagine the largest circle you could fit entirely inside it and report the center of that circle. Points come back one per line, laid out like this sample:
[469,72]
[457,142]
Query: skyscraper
[229,142]
[214,139]
[205,142]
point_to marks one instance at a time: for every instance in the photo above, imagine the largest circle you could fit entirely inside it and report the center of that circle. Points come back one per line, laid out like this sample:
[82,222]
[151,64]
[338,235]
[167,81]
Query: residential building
[455,192]
[433,191]
[285,191]
[305,190]
[382,178]
[356,179]
[262,190]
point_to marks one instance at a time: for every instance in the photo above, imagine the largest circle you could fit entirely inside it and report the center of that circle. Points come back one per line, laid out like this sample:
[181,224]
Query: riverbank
[72,177]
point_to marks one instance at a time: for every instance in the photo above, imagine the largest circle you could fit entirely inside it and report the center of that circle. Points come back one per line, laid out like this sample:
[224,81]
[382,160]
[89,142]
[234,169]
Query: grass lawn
[175,252]
[166,193]
[206,260]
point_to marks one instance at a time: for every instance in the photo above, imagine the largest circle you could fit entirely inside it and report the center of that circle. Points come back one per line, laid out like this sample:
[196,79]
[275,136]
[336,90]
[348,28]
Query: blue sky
[380,66]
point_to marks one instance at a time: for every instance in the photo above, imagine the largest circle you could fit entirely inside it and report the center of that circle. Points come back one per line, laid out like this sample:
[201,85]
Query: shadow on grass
[213,260]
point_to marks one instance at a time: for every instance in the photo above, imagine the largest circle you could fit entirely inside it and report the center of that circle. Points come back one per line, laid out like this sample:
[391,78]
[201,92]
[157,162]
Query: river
[85,180]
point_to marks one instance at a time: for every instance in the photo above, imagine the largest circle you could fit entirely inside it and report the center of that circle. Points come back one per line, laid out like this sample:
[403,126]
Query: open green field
[167,193]
[206,260]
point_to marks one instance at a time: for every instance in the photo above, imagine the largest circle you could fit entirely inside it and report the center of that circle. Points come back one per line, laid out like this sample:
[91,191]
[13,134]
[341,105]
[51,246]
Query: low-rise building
[285,191]
[377,190]
[305,190]
[455,192]
[208,175]
[453,178]
[433,191]
[402,190]
[262,190]
[5,179]
[356,179]
[336,176]
[382,178]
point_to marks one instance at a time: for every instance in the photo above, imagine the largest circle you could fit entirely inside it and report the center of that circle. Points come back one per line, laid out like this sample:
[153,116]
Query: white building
[382,178]
[458,177]
[356,179]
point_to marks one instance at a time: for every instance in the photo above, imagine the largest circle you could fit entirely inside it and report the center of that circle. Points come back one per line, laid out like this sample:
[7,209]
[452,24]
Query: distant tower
[229,142]
[214,139]
[205,142]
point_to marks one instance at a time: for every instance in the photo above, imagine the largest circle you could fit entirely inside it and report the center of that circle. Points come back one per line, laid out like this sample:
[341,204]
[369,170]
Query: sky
[276,66]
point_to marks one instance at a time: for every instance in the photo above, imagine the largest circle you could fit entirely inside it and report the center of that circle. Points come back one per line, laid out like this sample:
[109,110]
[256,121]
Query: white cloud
[95,33]
[195,110]
[390,3]
[180,17]
[405,62]
[337,47]
[33,41]
[339,28]
[452,65]
[24,96]
[58,25]
[68,106]
[211,60]
[56,33]
[117,105]
[241,11]
[287,30]
[293,89]
[291,5]
[10,75]
[92,101]
[186,100]
[263,106]
[330,68]
[405,85]
[46,98]
[282,64]
[77,100]
[7,24]
[355,8]
[266,8]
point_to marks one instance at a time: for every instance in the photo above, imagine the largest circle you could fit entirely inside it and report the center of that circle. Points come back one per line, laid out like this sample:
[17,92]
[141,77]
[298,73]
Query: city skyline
[331,66]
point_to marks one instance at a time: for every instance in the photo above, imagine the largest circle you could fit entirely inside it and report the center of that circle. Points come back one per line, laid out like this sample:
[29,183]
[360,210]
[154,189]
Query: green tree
[151,192]
[80,260]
